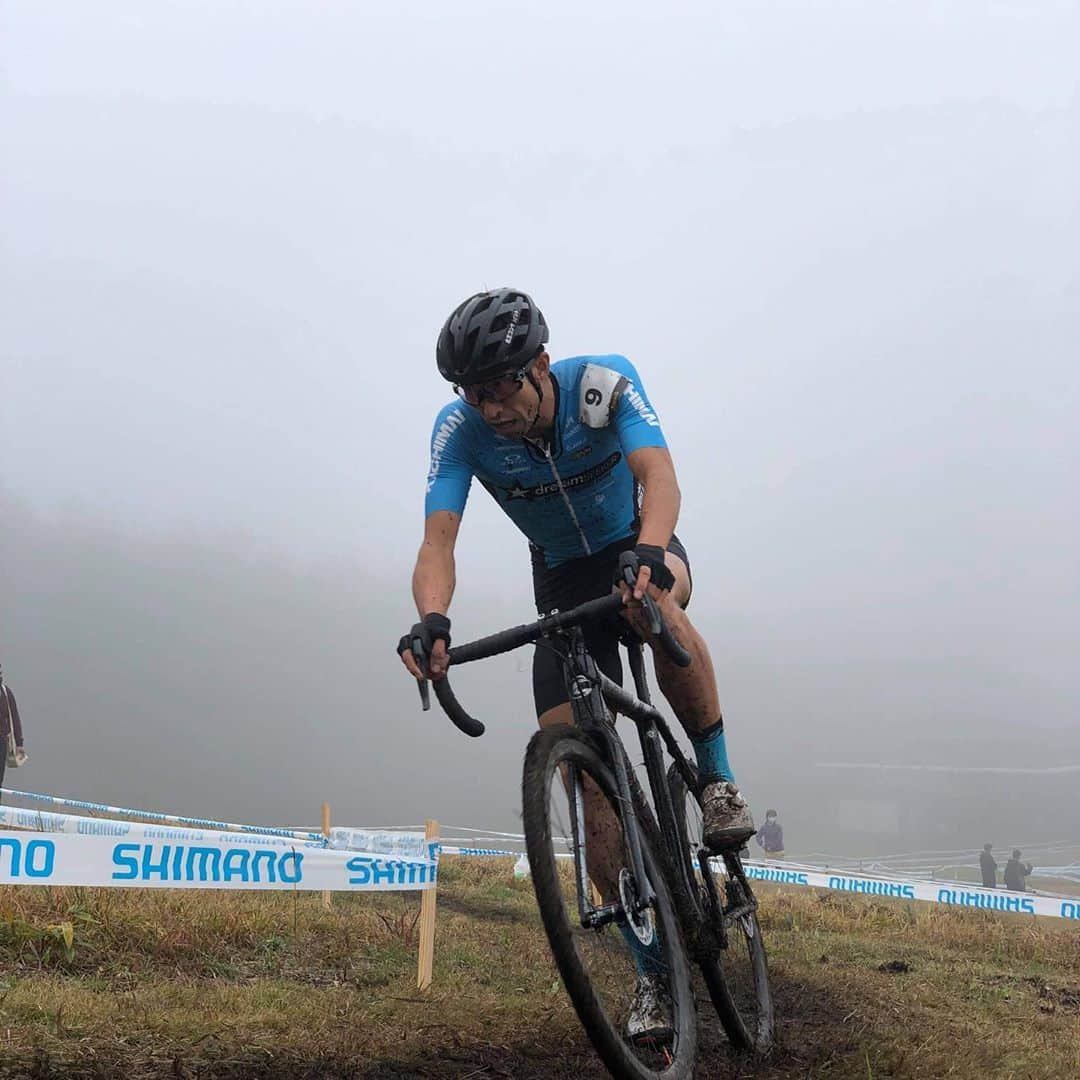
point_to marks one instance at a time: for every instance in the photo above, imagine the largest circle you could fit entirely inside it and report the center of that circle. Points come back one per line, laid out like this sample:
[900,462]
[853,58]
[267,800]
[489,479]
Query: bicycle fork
[591,714]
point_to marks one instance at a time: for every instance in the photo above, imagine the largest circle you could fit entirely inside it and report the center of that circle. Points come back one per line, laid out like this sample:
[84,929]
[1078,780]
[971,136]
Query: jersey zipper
[546,449]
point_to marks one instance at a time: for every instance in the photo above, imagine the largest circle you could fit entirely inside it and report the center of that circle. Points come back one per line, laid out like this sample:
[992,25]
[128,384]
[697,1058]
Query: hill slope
[229,985]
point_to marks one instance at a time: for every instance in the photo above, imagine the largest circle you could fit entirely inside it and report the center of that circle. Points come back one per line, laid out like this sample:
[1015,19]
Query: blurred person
[770,836]
[11,733]
[988,866]
[1016,872]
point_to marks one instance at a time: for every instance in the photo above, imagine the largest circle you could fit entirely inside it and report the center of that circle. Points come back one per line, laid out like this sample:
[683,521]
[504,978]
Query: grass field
[111,983]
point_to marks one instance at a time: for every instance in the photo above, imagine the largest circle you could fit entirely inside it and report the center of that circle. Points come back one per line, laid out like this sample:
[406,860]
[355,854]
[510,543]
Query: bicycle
[670,895]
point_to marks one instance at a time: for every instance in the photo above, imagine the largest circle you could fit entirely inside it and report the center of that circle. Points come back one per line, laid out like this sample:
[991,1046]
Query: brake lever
[422,684]
[652,611]
[657,627]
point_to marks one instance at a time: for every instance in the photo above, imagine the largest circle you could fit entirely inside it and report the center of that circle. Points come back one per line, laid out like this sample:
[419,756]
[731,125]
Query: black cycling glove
[433,627]
[652,556]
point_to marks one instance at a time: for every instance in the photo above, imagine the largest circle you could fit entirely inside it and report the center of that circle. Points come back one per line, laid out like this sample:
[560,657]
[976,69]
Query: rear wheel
[722,929]
[568,791]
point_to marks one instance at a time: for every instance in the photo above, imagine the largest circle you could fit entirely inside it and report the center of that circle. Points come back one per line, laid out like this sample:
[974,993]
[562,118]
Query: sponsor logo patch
[582,479]
[439,442]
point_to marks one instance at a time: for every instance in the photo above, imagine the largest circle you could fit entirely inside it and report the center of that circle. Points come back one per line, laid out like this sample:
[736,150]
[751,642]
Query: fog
[840,243]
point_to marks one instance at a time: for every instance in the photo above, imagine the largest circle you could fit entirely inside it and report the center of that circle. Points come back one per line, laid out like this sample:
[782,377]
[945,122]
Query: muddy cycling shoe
[651,1014]
[727,820]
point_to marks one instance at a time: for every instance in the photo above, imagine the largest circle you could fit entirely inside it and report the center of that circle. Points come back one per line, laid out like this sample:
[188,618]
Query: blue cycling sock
[648,959]
[711,751]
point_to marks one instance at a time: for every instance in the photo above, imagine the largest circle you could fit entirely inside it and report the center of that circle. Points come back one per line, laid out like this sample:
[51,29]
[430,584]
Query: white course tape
[383,841]
[14,817]
[182,859]
[170,819]
[952,894]
[481,852]
[86,851]
[370,841]
[485,832]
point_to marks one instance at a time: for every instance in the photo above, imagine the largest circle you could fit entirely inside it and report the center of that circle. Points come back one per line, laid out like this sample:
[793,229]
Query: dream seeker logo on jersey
[541,491]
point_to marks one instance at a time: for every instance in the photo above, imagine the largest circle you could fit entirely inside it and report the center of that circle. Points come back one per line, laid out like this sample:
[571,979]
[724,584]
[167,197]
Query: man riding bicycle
[574,454]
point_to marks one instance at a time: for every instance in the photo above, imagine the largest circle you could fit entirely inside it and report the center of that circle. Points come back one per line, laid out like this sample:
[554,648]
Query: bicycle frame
[652,729]
[712,915]
[591,693]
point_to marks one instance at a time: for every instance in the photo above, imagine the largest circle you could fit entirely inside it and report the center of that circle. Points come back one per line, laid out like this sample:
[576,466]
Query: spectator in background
[1016,872]
[988,865]
[770,836]
[11,735]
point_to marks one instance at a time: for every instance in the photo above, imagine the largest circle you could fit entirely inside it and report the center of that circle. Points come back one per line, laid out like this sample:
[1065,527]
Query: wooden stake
[427,920]
[326,832]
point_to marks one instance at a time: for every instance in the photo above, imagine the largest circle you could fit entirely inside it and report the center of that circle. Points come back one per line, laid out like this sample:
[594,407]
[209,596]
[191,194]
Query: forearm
[433,579]
[659,509]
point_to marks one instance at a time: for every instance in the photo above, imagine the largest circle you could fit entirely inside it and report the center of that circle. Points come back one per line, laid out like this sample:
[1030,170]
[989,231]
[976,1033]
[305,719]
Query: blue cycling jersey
[571,500]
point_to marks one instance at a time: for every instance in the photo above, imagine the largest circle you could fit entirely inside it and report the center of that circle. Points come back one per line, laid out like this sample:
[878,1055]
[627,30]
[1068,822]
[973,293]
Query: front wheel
[581,871]
[722,929]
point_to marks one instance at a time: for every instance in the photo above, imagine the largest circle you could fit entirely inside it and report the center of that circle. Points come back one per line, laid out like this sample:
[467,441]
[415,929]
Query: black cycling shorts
[565,586]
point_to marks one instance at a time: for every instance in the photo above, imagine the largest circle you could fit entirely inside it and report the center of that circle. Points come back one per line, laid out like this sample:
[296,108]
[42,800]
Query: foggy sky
[839,242]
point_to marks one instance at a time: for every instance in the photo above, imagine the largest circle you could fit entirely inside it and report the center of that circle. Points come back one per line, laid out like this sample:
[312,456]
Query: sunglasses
[506,386]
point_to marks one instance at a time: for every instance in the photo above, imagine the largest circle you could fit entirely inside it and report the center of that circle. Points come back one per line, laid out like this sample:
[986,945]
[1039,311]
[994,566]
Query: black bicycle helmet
[488,335]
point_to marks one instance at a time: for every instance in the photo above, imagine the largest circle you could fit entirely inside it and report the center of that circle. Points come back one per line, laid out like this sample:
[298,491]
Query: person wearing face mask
[12,751]
[573,452]
[770,836]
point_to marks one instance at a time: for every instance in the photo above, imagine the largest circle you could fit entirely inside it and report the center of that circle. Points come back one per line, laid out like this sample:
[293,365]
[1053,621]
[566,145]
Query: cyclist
[573,452]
